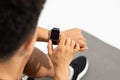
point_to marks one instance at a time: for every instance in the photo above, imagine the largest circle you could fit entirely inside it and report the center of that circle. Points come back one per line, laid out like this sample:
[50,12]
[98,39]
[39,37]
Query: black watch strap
[54,42]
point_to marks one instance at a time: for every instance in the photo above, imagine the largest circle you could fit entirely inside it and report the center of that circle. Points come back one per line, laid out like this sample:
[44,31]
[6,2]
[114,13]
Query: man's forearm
[75,34]
[43,34]
[61,73]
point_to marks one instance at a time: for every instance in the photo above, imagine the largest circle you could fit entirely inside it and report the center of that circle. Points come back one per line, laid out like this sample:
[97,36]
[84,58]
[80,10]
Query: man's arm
[43,34]
[62,56]
[75,34]
[40,64]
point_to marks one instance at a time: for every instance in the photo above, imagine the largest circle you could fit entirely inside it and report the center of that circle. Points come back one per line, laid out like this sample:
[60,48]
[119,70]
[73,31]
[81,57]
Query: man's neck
[12,69]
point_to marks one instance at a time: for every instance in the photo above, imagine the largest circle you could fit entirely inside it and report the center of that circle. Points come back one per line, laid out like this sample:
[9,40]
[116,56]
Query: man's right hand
[62,56]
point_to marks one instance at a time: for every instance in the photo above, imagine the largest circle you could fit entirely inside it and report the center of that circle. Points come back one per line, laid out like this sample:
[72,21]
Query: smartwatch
[54,36]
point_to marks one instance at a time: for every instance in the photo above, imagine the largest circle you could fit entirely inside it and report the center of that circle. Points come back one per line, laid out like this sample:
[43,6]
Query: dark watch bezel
[54,36]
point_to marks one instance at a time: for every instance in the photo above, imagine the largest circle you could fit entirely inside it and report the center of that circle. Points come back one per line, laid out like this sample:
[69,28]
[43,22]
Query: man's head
[18,20]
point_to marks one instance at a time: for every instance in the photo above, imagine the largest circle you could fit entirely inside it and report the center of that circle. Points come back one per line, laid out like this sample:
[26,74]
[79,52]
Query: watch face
[55,35]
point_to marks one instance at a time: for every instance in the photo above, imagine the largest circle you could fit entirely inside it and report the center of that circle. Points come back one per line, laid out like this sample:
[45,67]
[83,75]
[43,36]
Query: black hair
[18,20]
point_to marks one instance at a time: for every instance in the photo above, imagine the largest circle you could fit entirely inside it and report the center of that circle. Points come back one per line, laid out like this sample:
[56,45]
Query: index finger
[62,39]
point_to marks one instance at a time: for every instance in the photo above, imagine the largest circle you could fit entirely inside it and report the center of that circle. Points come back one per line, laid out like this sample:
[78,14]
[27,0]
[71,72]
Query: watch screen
[55,35]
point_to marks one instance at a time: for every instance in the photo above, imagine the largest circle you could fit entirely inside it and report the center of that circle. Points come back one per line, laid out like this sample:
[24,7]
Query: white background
[100,18]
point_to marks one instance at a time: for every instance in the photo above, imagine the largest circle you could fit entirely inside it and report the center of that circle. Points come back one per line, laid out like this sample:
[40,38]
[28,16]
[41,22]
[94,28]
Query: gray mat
[104,60]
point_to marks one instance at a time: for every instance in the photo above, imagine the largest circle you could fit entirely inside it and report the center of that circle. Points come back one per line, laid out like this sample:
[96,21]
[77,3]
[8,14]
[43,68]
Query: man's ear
[29,44]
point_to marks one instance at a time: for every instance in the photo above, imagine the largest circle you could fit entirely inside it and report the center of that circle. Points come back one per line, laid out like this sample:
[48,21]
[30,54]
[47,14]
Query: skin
[35,63]
[12,69]
[62,56]
[75,34]
[46,66]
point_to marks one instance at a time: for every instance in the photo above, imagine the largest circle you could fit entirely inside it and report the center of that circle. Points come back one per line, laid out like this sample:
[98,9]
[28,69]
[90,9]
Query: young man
[18,33]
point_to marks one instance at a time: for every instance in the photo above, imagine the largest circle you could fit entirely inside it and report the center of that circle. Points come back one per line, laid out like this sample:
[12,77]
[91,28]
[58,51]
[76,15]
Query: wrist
[61,73]
[42,34]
